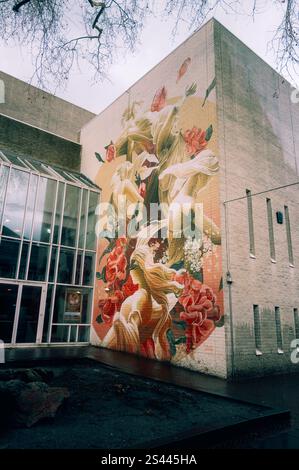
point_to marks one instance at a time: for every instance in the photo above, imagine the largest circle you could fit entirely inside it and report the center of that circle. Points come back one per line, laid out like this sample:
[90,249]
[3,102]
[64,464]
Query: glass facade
[47,252]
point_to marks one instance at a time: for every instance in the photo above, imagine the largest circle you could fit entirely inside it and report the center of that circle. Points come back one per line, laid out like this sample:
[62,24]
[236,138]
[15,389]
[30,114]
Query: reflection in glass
[15,203]
[38,262]
[58,212]
[44,210]
[9,252]
[23,261]
[65,268]
[78,267]
[8,300]
[70,216]
[29,313]
[88,269]
[83,218]
[30,206]
[91,223]
[53,263]
[3,182]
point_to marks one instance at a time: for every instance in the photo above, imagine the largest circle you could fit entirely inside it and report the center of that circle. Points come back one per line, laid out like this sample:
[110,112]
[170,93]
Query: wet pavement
[277,391]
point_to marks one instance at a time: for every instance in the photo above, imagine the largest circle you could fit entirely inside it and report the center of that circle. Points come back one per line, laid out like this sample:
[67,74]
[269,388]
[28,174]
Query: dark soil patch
[109,409]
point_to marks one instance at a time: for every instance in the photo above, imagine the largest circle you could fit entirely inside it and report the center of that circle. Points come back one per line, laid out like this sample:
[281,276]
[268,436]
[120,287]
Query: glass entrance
[8,302]
[28,314]
[21,313]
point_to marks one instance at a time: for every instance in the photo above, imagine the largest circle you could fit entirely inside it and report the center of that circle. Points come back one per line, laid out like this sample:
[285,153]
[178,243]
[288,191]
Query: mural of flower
[183,68]
[143,277]
[159,101]
[117,263]
[129,287]
[200,310]
[195,140]
[109,306]
[110,152]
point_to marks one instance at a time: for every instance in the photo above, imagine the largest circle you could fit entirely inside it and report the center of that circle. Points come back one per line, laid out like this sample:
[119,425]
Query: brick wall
[258,140]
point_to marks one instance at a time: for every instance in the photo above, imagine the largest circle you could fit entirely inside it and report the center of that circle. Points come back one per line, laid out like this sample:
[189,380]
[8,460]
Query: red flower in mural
[117,262]
[129,287]
[147,348]
[110,152]
[200,310]
[195,140]
[142,189]
[183,69]
[108,307]
[159,101]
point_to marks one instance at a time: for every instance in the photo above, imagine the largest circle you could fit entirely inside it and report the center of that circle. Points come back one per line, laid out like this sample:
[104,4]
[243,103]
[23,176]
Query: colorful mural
[159,286]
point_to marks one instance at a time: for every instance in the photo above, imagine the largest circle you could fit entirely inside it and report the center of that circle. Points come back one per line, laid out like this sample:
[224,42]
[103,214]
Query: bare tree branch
[61,33]
[19,5]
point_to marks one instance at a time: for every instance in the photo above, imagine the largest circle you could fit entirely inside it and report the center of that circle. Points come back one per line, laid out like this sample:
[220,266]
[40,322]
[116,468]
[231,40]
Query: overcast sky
[155,43]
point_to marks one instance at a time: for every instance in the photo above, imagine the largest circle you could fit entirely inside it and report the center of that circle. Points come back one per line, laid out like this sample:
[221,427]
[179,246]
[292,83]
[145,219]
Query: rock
[26,375]
[45,374]
[24,404]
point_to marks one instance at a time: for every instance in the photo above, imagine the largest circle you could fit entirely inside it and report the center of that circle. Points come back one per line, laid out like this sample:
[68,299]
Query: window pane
[8,300]
[58,212]
[83,336]
[47,314]
[44,210]
[83,219]
[23,262]
[3,182]
[52,263]
[38,262]
[90,236]
[72,305]
[88,269]
[59,334]
[30,206]
[65,268]
[15,203]
[70,217]
[29,314]
[78,268]
[9,252]
[73,334]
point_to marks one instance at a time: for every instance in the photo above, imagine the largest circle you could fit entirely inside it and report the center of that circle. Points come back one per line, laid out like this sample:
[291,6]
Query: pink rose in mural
[200,310]
[159,101]
[117,263]
[110,152]
[195,140]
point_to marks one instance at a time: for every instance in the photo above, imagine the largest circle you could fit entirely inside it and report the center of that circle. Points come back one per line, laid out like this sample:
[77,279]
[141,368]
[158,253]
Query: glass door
[22,308]
[28,317]
[8,302]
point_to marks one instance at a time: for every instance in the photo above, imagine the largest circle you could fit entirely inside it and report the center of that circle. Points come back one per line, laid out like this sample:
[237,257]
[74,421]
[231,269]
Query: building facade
[47,219]
[189,253]
[211,125]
